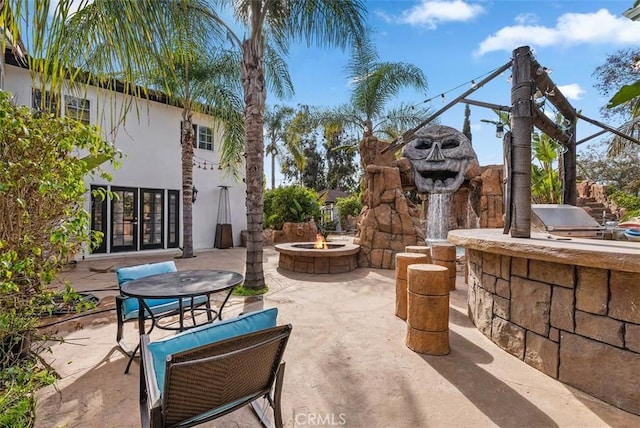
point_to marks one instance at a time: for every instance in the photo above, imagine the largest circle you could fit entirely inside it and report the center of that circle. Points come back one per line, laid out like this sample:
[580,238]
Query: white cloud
[571,29]
[431,13]
[526,18]
[572,92]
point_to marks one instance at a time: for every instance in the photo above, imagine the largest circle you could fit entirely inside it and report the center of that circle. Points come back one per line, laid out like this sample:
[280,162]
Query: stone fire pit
[304,258]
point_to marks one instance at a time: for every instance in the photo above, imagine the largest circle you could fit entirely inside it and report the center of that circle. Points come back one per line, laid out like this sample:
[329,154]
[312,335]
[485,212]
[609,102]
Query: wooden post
[521,130]
[570,168]
[403,260]
[422,249]
[444,254]
[428,309]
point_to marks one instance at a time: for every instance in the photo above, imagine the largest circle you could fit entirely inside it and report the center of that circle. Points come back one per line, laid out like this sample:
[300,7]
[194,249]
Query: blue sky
[456,41]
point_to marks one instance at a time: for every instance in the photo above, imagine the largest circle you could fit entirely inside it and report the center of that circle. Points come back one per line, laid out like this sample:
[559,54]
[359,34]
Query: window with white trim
[205,138]
[78,109]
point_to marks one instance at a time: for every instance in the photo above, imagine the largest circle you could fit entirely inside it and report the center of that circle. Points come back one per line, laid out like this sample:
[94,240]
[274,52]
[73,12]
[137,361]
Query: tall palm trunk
[187,182]
[273,168]
[253,83]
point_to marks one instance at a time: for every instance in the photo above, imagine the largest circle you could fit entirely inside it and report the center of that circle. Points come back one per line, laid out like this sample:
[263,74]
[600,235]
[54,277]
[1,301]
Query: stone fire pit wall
[342,258]
[567,308]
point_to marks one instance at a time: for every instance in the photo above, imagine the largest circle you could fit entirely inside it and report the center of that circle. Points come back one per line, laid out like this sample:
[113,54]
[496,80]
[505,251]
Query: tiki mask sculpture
[440,157]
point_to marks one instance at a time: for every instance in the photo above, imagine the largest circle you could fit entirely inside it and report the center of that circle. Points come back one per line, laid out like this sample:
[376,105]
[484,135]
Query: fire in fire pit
[320,242]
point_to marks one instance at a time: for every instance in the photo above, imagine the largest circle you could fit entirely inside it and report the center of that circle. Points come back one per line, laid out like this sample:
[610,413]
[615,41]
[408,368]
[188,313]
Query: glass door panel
[124,219]
[152,218]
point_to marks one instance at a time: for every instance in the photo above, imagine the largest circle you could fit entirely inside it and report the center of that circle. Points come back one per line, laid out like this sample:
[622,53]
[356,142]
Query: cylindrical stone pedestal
[423,249]
[444,254]
[428,309]
[402,261]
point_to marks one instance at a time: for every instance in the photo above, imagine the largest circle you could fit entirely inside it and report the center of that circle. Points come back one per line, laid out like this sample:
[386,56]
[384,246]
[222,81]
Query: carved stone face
[440,156]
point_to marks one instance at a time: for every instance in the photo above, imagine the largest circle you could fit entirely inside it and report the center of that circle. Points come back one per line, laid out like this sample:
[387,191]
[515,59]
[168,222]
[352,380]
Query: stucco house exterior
[147,215]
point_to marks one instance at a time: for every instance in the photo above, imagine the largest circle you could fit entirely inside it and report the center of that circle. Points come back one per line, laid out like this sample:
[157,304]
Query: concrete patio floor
[347,363]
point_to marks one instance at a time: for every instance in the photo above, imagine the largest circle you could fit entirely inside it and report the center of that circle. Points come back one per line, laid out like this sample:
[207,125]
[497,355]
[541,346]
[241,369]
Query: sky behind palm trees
[457,41]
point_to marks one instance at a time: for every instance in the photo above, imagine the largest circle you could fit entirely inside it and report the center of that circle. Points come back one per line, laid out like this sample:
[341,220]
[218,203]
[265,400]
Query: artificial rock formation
[296,232]
[388,221]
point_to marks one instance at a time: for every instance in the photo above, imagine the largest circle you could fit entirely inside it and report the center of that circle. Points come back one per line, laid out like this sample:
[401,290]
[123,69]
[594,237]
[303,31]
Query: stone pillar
[402,261]
[422,249]
[444,254]
[428,309]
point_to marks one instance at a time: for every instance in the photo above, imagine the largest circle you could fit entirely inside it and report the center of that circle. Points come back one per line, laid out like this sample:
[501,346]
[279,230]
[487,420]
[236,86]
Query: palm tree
[374,85]
[321,22]
[546,187]
[119,37]
[275,121]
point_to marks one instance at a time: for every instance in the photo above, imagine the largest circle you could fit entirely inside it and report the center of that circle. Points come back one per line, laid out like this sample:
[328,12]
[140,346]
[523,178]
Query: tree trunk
[187,183]
[273,168]
[254,98]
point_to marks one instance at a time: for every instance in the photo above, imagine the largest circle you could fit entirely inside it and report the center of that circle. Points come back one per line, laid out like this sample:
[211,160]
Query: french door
[133,219]
[124,219]
[152,208]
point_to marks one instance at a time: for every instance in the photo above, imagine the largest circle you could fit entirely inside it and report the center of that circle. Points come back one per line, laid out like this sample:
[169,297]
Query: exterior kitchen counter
[567,307]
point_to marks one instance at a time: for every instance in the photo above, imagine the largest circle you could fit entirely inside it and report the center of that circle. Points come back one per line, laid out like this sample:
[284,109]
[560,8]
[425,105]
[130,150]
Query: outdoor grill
[565,220]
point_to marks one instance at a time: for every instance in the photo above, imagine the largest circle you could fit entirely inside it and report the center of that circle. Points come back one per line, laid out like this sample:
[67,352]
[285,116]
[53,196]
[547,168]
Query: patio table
[186,284]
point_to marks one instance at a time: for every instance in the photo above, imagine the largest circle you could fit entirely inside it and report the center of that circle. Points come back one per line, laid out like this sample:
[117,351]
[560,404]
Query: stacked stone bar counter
[569,308]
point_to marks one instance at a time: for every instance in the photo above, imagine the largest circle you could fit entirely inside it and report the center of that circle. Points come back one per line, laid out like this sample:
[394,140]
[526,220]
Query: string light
[205,164]
[471,82]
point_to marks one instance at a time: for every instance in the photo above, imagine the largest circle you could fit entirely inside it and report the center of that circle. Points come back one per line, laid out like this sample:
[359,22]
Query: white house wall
[149,139]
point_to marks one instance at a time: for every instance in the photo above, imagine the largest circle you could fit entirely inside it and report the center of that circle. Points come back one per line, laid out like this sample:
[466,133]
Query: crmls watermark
[319,419]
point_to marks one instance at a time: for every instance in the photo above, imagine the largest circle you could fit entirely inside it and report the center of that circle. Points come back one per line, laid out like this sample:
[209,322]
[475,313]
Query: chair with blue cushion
[210,371]
[127,308]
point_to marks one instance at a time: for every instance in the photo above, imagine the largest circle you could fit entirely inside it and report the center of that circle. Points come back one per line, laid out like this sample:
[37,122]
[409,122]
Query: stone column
[428,309]
[444,254]
[402,261]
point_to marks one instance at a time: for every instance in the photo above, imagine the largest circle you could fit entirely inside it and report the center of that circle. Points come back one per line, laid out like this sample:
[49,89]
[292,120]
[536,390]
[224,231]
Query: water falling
[438,214]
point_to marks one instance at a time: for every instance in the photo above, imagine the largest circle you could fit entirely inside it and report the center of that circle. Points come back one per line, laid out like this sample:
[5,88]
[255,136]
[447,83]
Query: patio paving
[347,363]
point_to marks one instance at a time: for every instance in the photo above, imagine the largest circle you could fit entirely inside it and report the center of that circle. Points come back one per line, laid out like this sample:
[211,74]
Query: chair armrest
[153,392]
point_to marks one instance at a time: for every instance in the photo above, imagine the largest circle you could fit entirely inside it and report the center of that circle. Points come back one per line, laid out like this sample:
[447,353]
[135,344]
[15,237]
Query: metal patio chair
[208,381]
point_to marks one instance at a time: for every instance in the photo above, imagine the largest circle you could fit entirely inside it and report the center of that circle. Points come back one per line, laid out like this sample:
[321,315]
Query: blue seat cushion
[130,306]
[206,334]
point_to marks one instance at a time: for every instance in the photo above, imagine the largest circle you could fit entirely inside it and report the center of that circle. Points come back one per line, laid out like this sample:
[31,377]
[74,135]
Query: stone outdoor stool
[428,309]
[444,254]
[402,261]
[423,249]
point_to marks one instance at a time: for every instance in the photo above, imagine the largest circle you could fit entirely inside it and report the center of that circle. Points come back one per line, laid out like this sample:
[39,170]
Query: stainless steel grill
[565,220]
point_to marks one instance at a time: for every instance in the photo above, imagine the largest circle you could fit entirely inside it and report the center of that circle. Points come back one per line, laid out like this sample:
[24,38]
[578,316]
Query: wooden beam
[506,109]
[597,134]
[546,125]
[553,94]
[407,136]
[608,128]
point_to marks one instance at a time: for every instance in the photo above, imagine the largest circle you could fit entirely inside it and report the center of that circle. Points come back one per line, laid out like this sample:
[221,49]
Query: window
[46,104]
[205,138]
[78,109]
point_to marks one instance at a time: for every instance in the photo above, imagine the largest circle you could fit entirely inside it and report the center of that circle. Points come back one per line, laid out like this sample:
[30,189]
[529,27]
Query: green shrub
[289,204]
[631,203]
[349,206]
[42,222]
